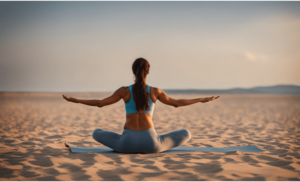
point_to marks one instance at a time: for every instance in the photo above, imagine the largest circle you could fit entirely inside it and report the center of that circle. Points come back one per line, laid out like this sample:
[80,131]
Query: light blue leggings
[144,141]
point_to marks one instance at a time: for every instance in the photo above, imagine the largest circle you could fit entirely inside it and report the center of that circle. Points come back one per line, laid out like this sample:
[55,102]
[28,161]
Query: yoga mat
[179,149]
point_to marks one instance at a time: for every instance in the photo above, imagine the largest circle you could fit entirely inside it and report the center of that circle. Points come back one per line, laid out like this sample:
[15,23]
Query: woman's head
[140,68]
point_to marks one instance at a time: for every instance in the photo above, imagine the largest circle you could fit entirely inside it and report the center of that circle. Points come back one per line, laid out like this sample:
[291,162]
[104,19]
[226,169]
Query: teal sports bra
[130,106]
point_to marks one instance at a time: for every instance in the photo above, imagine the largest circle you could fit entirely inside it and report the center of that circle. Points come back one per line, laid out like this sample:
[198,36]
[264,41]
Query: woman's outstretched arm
[164,98]
[115,97]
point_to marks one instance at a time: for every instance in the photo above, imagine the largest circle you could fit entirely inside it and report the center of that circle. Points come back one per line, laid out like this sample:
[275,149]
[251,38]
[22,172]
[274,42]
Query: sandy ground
[34,127]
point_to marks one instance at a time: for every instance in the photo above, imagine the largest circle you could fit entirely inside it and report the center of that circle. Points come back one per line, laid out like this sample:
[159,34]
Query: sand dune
[35,126]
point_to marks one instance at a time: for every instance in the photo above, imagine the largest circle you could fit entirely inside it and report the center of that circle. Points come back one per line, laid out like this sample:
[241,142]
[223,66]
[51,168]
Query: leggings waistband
[150,130]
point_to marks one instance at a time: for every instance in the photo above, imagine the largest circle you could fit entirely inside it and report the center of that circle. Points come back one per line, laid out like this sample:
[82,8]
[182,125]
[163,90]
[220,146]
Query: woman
[139,135]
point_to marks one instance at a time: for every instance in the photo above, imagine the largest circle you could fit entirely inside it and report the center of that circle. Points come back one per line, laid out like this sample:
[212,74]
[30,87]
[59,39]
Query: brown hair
[140,68]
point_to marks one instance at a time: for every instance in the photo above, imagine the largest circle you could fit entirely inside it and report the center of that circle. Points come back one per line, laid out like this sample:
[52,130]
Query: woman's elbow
[176,105]
[99,104]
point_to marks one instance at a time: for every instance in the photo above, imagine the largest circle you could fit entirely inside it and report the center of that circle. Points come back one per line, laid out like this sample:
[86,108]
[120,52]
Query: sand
[35,126]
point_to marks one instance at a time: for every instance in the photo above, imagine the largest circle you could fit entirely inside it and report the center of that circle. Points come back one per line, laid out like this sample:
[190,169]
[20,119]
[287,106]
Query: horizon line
[169,89]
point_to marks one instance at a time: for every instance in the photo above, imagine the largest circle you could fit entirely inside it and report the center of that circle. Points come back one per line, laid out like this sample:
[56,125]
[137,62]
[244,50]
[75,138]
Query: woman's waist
[149,130]
[141,121]
[139,134]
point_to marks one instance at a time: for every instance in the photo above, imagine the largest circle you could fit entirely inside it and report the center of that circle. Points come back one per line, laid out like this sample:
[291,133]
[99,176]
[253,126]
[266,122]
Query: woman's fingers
[207,99]
[70,99]
[213,98]
[66,98]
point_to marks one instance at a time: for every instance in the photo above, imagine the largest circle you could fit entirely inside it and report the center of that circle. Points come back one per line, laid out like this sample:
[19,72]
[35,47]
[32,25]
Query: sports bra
[130,106]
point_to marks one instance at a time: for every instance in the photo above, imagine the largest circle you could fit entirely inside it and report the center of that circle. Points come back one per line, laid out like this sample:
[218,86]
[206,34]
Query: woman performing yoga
[139,135]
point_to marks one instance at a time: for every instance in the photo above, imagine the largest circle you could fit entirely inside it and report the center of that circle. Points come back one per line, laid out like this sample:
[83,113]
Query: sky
[90,46]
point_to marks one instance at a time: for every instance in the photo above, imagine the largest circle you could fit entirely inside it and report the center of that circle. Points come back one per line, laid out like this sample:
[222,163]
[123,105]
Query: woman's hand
[207,99]
[70,99]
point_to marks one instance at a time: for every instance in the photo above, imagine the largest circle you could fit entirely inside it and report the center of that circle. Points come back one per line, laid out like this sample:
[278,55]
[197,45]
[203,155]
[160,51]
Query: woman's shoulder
[122,90]
[156,90]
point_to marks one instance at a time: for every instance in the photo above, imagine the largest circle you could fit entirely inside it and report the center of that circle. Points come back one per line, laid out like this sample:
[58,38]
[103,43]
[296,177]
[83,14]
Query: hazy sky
[90,46]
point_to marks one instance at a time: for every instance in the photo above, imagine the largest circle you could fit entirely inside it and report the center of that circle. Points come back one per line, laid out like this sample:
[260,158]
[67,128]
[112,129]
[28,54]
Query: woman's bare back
[138,121]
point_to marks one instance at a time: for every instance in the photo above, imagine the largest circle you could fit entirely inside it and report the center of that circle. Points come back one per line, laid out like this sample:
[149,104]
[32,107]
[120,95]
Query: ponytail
[140,68]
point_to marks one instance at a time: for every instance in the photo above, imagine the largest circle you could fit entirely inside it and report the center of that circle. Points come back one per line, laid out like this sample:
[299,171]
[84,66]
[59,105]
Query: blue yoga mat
[180,149]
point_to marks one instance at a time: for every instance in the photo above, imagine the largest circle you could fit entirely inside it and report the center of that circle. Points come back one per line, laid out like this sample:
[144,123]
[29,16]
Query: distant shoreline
[277,89]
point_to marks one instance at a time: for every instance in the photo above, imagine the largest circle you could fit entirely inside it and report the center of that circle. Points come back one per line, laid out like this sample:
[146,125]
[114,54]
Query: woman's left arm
[115,97]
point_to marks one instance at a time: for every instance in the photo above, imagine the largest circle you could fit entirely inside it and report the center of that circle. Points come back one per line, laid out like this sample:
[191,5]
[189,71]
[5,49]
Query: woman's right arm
[164,98]
[115,97]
